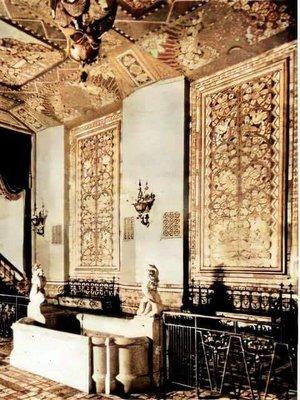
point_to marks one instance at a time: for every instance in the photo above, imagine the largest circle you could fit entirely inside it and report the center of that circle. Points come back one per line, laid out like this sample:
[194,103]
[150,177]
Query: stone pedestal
[152,328]
[112,365]
[105,364]
[99,363]
[133,363]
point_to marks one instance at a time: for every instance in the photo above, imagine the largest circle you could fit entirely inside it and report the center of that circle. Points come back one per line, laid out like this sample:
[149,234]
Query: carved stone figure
[37,294]
[151,303]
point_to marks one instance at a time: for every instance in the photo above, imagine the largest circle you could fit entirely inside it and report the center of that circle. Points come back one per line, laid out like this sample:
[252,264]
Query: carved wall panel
[239,140]
[171,225]
[96,148]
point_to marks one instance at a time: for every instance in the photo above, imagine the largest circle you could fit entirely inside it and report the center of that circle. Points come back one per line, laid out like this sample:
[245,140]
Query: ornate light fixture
[83,25]
[144,203]
[38,220]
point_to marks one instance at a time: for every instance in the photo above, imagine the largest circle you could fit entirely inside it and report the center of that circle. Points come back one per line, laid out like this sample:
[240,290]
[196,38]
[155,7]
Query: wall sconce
[144,203]
[38,220]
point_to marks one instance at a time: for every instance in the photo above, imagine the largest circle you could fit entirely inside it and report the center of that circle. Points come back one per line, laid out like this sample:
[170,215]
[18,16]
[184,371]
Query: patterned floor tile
[20,385]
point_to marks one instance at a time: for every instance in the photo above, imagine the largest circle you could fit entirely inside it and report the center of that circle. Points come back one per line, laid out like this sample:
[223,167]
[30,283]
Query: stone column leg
[99,363]
[111,365]
[126,363]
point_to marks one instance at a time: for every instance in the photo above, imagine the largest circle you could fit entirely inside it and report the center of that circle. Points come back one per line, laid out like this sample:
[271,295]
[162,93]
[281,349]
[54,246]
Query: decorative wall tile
[171,225]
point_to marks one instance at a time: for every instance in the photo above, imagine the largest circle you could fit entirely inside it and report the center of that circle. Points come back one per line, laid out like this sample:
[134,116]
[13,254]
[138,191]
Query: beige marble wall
[152,149]
[50,190]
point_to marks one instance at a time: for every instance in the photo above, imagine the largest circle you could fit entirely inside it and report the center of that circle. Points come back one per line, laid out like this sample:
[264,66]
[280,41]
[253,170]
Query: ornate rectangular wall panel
[96,195]
[238,170]
[171,225]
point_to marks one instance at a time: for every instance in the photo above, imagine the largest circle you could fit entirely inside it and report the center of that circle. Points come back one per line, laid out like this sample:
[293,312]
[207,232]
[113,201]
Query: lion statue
[151,303]
[37,294]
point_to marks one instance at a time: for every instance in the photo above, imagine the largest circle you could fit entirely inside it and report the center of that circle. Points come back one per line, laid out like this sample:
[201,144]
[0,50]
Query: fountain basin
[111,355]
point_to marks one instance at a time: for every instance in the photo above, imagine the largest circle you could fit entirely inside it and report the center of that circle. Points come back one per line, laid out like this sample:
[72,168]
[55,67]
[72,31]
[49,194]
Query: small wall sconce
[144,203]
[38,220]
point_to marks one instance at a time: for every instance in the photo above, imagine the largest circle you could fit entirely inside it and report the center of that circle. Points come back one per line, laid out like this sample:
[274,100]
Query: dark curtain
[15,163]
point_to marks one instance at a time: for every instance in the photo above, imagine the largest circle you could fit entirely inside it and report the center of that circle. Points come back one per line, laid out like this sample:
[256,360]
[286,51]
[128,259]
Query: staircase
[12,281]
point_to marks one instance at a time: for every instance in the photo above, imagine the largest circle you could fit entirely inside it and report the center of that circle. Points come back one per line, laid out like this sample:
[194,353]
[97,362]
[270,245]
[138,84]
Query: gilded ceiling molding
[238,141]
[51,36]
[141,8]
[135,68]
[10,122]
[94,182]
[28,118]
[21,61]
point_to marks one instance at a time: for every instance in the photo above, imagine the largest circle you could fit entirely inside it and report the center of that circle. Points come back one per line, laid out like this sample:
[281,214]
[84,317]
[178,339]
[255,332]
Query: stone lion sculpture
[151,303]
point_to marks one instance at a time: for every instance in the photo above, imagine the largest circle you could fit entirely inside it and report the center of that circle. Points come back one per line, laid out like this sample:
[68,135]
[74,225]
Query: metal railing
[243,357]
[105,291]
[14,280]
[12,308]
[206,299]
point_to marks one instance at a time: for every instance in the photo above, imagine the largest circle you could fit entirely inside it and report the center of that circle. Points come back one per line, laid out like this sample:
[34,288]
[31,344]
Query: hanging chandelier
[83,27]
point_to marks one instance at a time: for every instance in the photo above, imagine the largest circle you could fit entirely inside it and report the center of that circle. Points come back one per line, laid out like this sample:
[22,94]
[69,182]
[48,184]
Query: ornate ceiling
[151,40]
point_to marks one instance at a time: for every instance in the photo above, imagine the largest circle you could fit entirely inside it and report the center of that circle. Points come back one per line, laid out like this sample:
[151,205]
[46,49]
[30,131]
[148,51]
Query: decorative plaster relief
[22,61]
[135,68]
[238,145]
[267,17]
[95,195]
[178,44]
[8,120]
[28,118]
[171,225]
[138,8]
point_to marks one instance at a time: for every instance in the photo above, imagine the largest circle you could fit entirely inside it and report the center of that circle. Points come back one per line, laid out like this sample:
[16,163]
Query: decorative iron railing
[104,291]
[221,356]
[12,278]
[260,301]
[12,308]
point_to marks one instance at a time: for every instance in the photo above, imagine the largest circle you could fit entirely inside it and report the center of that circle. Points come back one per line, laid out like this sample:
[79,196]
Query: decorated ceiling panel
[150,40]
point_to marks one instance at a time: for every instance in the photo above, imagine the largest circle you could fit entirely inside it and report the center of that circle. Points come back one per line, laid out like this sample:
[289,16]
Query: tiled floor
[19,385]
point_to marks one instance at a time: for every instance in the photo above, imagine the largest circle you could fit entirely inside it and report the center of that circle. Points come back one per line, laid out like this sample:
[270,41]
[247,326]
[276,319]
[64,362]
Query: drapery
[15,149]
[15,164]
